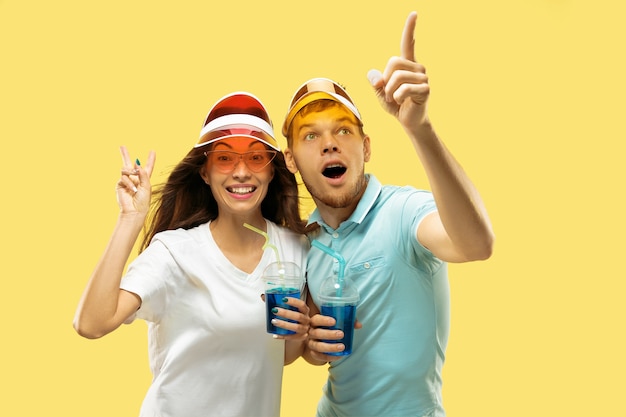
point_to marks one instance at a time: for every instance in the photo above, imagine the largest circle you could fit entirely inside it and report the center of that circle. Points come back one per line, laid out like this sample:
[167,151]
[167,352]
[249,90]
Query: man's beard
[336,200]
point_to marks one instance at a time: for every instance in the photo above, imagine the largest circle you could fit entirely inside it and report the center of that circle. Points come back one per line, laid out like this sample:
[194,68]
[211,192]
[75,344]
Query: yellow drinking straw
[267,243]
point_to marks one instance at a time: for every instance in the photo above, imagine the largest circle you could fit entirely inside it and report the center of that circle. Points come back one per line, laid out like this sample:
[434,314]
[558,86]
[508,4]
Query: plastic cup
[282,279]
[338,299]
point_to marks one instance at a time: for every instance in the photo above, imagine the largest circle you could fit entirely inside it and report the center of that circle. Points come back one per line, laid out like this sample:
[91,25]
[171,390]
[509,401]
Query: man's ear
[367,149]
[290,161]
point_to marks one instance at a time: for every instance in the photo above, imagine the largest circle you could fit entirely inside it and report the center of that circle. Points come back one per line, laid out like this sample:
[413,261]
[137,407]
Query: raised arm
[461,230]
[103,306]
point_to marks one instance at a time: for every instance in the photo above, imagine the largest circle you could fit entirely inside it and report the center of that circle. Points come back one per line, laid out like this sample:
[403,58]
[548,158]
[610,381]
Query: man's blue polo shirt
[397,357]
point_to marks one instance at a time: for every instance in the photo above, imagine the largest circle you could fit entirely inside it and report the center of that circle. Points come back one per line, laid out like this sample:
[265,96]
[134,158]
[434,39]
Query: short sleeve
[150,276]
[415,206]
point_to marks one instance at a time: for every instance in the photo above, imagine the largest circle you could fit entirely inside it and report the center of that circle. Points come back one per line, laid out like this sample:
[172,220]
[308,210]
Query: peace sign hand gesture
[402,88]
[133,188]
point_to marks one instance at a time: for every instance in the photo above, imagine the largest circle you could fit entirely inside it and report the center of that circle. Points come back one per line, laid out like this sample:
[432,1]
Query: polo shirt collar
[365,204]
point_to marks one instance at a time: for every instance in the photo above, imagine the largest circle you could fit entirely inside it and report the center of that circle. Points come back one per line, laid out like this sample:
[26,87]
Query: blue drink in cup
[345,316]
[282,279]
[338,299]
[274,298]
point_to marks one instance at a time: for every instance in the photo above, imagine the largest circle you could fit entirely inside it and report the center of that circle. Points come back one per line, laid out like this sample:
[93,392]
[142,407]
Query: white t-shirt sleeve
[151,277]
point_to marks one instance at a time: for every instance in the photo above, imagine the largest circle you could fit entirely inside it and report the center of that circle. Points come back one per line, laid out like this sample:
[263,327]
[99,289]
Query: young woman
[197,281]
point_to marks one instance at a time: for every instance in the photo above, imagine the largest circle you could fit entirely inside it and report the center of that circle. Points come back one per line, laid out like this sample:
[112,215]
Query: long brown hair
[185,201]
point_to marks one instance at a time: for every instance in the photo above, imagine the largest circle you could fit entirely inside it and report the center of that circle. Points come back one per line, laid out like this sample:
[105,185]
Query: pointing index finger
[407,45]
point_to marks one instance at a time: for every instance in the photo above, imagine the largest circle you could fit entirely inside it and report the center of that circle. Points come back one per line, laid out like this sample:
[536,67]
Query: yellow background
[528,94]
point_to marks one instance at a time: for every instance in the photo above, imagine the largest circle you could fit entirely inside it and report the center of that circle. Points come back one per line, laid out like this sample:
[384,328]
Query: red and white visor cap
[238,114]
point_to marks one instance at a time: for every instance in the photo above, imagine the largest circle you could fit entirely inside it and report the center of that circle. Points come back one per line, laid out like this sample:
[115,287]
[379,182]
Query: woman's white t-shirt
[209,351]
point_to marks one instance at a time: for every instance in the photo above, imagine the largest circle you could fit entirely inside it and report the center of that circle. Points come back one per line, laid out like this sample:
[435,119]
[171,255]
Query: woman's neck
[242,246]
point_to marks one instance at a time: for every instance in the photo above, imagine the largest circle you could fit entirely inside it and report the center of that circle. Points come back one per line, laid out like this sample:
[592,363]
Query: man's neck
[334,216]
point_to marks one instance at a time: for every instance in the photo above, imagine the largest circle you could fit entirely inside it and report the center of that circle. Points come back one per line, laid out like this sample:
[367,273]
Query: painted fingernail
[137,162]
[285,299]
[134,189]
[274,310]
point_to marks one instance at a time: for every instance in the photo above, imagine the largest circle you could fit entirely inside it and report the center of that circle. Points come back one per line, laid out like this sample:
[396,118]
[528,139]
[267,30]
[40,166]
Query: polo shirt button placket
[335,267]
[335,235]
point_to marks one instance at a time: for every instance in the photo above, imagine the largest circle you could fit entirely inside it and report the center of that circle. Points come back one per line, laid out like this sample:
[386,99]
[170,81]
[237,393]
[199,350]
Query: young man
[396,242]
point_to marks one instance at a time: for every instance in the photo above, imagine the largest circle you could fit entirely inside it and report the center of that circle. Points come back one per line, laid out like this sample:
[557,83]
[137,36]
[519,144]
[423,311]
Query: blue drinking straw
[339,258]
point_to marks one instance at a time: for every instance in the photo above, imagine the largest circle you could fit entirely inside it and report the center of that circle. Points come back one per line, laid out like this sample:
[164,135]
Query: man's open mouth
[334,171]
